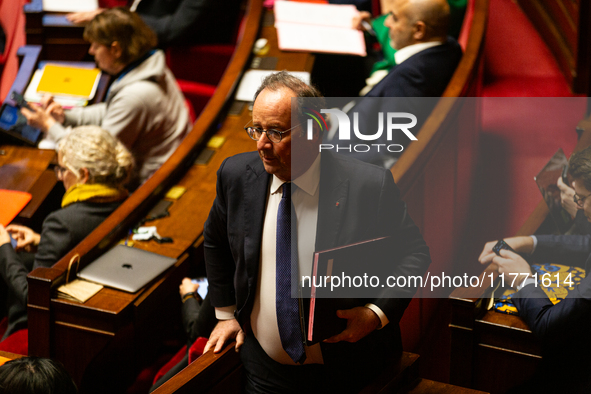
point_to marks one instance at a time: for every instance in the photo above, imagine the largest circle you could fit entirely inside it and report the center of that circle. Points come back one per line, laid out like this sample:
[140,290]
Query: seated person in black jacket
[93,165]
[563,328]
[198,320]
[182,22]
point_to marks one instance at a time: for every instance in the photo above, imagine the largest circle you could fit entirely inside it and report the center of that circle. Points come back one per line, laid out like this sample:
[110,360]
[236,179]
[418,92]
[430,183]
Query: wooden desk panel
[21,167]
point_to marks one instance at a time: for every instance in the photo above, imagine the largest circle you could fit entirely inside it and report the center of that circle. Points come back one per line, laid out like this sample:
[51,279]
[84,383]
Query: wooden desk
[27,170]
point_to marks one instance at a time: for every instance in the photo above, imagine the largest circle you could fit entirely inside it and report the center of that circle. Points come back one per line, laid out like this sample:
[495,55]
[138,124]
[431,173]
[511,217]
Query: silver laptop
[126,268]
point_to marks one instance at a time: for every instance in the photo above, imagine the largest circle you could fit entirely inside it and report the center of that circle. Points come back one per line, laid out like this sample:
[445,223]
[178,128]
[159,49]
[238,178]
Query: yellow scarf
[93,193]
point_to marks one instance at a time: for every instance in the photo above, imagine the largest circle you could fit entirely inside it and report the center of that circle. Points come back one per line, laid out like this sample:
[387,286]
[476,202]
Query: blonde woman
[93,165]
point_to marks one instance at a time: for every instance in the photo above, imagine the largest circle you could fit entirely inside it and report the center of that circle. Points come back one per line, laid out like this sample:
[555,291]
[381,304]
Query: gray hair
[282,80]
[107,160]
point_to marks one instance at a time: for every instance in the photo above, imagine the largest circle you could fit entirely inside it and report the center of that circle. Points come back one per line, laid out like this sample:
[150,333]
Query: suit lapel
[255,198]
[334,189]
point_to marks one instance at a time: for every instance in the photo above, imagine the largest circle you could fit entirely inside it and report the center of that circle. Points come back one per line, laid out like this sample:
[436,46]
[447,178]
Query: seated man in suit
[426,59]
[563,328]
[337,201]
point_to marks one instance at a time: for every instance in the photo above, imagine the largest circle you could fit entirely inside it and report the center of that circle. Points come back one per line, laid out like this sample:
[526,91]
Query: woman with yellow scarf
[94,166]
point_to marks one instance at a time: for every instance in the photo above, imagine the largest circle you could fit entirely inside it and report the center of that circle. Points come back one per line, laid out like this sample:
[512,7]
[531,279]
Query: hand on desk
[224,331]
[567,195]
[26,238]
[519,244]
[512,265]
[361,321]
[82,18]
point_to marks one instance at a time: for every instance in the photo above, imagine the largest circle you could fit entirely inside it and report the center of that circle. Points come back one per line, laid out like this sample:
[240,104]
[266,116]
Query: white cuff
[528,281]
[383,319]
[225,312]
[535,239]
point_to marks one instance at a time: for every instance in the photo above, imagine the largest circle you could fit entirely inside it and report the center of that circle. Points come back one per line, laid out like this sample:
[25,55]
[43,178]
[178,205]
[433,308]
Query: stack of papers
[69,5]
[318,28]
[78,290]
[252,79]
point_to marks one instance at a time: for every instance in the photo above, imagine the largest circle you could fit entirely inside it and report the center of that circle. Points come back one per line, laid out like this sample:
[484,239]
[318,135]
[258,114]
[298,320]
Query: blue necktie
[288,316]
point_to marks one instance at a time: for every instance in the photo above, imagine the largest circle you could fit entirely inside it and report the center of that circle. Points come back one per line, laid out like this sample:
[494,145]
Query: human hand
[360,322]
[513,266]
[53,108]
[187,286]
[4,237]
[81,18]
[38,118]
[26,239]
[519,244]
[224,331]
[567,195]
[362,16]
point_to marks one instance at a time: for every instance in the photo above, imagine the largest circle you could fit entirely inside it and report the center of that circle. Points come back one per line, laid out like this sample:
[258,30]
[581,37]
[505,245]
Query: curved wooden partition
[434,171]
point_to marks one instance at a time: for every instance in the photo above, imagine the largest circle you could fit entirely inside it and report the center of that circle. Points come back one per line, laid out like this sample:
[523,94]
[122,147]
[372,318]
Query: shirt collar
[308,181]
[406,52]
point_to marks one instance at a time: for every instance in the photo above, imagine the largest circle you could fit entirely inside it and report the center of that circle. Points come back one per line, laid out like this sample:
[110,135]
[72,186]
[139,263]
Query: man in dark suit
[563,328]
[337,201]
[426,58]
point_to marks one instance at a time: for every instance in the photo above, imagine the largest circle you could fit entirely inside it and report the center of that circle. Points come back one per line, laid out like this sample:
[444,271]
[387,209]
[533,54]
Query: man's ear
[116,49]
[419,31]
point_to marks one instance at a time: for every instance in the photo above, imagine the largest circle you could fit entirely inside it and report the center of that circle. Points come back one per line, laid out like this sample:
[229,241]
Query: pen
[368,28]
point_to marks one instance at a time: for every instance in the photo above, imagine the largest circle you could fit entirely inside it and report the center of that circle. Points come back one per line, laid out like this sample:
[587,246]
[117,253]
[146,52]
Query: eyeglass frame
[280,133]
[59,171]
[580,201]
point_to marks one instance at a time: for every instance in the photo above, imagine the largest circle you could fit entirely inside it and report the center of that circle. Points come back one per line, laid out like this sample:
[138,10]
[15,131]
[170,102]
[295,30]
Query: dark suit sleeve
[571,250]
[198,319]
[173,28]
[56,241]
[412,256]
[219,262]
[548,321]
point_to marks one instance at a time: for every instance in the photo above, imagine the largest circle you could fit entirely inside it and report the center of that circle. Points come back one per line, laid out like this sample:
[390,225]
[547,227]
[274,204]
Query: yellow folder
[69,81]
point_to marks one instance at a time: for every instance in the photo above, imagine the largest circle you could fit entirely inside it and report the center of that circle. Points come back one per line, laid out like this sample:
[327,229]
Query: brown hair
[127,28]
[579,167]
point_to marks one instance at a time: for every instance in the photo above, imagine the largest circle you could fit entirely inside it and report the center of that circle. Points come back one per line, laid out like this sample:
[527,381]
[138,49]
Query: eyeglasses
[59,171]
[273,135]
[580,200]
